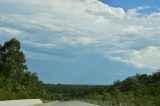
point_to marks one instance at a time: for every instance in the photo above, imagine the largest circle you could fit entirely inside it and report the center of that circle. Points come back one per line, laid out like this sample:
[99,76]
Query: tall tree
[13,58]
[15,81]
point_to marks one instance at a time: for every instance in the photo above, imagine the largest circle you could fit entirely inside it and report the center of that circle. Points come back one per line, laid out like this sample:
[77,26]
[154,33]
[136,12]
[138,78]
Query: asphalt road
[69,103]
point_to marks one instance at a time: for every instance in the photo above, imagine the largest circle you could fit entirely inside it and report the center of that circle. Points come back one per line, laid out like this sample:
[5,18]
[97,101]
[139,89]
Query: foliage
[16,82]
[139,90]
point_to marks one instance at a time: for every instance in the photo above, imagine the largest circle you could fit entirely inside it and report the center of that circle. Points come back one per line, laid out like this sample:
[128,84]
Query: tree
[16,82]
[13,58]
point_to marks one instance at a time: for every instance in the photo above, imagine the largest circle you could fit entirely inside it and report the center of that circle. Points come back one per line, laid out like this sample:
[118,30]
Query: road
[69,103]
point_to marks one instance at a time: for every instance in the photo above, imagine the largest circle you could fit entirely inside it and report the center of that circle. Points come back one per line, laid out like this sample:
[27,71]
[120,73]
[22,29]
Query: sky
[84,41]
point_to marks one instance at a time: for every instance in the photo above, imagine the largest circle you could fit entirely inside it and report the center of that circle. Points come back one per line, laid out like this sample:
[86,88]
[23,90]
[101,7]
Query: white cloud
[144,58]
[147,57]
[9,30]
[80,25]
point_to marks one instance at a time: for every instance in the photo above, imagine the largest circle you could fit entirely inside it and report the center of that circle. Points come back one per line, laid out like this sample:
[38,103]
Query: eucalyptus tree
[13,59]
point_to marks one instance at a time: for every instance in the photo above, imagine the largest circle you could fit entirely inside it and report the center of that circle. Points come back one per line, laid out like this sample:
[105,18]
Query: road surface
[69,103]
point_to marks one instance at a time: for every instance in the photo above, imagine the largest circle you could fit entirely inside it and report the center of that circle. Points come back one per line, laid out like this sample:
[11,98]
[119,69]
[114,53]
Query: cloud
[144,58]
[147,57]
[83,26]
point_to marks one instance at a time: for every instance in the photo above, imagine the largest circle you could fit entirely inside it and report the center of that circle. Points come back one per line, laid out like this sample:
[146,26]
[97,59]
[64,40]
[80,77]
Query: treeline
[16,82]
[69,92]
[138,90]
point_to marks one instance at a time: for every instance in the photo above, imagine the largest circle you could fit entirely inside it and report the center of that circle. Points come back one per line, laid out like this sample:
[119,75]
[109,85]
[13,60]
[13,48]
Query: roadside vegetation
[139,90]
[16,82]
